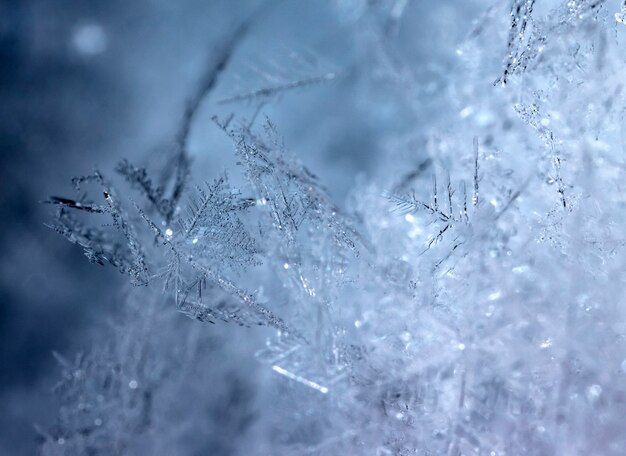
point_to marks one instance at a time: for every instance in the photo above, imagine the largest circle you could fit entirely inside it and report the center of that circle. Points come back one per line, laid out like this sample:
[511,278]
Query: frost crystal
[467,299]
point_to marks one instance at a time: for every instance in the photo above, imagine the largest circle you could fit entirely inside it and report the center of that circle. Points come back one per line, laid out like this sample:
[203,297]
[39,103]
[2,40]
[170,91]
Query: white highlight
[299,379]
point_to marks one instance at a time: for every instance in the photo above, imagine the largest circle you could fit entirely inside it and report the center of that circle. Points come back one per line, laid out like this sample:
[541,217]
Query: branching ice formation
[482,313]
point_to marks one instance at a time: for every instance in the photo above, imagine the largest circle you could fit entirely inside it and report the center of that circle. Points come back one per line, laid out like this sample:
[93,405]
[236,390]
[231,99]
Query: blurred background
[90,83]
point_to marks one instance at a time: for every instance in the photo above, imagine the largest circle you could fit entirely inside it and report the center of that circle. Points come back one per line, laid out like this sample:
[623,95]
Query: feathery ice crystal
[468,298]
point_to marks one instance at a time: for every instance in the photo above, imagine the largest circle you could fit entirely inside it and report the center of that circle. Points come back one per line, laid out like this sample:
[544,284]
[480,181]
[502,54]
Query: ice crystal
[467,299]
